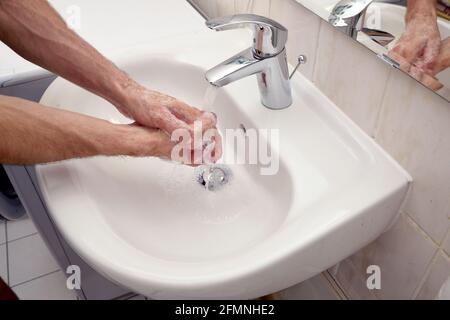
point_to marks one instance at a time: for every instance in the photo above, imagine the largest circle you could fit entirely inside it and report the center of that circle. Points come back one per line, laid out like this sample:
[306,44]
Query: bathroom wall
[407,120]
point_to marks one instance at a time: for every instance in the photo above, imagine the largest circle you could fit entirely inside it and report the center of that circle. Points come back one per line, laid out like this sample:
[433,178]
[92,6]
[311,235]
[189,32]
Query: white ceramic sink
[149,226]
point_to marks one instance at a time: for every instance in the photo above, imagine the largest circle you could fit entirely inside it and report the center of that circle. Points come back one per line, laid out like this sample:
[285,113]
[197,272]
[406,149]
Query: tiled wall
[407,120]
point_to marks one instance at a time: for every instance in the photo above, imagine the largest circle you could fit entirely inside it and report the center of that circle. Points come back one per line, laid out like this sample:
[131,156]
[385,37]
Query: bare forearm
[31,133]
[35,31]
[421,8]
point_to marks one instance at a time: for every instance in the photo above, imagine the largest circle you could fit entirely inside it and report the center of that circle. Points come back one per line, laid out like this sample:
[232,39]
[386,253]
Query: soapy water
[209,202]
[213,177]
[208,188]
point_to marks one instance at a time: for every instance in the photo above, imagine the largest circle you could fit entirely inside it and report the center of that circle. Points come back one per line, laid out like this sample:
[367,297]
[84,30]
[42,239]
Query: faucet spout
[272,75]
[266,59]
[240,66]
[348,16]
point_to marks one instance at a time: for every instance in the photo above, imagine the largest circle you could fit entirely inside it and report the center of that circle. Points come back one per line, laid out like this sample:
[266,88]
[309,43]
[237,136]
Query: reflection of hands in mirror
[419,50]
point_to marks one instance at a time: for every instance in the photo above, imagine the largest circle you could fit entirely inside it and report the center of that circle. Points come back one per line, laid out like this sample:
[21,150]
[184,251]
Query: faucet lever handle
[269,39]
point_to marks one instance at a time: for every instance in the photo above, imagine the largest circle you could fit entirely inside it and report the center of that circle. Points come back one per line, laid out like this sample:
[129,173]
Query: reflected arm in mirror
[34,30]
[418,50]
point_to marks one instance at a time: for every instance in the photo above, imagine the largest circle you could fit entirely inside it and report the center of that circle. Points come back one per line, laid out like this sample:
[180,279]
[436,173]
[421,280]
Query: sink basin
[148,225]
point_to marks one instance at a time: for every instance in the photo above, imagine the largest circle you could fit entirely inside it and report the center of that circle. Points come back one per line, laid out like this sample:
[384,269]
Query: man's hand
[419,49]
[420,43]
[32,134]
[35,31]
[153,109]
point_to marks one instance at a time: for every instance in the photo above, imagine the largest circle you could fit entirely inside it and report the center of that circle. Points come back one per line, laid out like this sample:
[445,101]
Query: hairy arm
[32,133]
[34,30]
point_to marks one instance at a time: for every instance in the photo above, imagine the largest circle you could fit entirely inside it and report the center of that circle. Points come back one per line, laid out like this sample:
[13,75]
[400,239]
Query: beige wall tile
[414,128]
[316,288]
[352,281]
[351,76]
[446,244]
[403,254]
[259,7]
[226,7]
[208,7]
[303,28]
[438,274]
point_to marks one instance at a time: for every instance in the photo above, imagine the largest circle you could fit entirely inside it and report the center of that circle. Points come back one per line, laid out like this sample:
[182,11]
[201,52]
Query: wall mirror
[411,35]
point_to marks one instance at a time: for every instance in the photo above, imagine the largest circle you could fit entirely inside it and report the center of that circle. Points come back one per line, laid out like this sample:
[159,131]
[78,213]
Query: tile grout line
[382,107]
[438,249]
[335,286]
[23,237]
[316,53]
[425,275]
[422,231]
[35,278]
[7,253]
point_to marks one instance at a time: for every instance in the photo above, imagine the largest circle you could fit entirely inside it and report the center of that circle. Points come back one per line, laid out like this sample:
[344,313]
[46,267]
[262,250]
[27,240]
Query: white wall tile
[303,28]
[2,231]
[438,274]
[403,254]
[3,263]
[350,75]
[50,287]
[20,228]
[316,288]
[414,128]
[29,258]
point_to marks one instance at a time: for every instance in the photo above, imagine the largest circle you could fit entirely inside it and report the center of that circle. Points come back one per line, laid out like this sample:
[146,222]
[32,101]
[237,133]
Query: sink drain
[213,177]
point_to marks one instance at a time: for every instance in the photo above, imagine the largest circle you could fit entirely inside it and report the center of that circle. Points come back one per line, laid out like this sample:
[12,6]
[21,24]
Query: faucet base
[272,74]
[274,83]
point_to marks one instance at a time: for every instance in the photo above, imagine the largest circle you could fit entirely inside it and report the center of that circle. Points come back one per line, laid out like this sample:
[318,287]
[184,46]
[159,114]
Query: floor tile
[49,287]
[20,228]
[29,258]
[3,263]
[2,232]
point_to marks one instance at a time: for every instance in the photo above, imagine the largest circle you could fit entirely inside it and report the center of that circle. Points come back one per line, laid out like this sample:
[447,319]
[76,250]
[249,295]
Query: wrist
[424,10]
[126,94]
[116,140]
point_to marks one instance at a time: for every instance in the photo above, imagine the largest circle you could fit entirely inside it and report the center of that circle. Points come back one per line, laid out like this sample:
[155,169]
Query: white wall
[407,120]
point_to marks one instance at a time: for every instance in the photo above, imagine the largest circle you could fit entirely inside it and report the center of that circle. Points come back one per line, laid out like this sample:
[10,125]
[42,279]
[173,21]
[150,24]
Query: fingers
[430,55]
[409,47]
[443,60]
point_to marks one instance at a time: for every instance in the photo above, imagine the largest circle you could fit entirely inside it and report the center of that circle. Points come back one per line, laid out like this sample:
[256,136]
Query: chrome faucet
[266,59]
[348,16]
